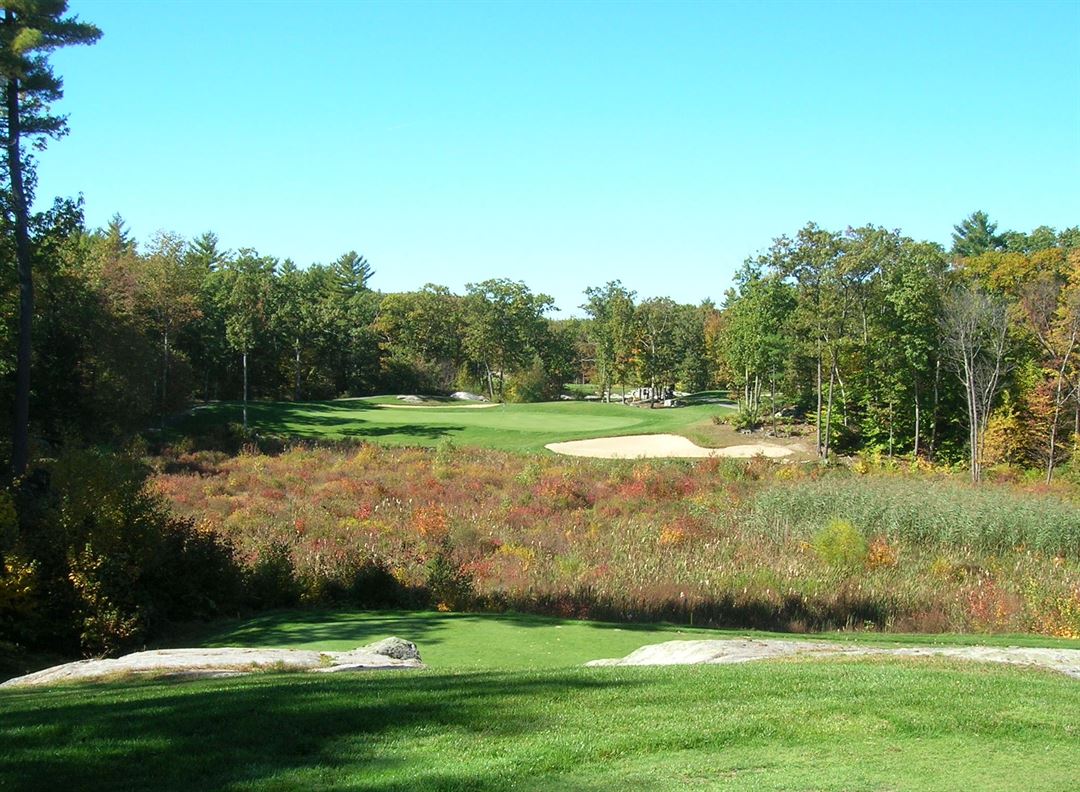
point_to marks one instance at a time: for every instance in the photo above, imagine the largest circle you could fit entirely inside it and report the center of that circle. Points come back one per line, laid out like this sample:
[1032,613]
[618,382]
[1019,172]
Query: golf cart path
[744,650]
[653,446]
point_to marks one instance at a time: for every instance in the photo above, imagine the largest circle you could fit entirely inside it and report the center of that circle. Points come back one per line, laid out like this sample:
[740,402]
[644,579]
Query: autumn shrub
[879,553]
[1005,440]
[196,576]
[100,562]
[840,544]
[272,581]
[445,452]
[450,587]
[534,384]
[18,592]
[747,417]
[373,585]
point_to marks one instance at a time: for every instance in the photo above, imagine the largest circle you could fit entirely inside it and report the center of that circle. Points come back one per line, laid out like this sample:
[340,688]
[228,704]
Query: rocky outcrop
[743,650]
[390,653]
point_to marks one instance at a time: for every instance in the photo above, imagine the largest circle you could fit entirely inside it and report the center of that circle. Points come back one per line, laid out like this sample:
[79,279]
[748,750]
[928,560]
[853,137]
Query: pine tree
[975,235]
[30,30]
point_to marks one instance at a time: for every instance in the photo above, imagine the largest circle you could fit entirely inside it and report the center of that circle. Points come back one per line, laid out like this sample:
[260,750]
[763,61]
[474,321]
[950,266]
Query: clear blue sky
[567,144]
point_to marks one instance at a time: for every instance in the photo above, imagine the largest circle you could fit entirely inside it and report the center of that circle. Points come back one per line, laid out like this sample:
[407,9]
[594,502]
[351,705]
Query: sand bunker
[660,445]
[744,650]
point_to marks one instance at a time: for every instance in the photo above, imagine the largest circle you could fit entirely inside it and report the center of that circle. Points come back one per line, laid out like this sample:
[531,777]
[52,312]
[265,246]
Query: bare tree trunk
[934,410]
[828,411]
[917,416]
[843,393]
[296,373]
[1058,402]
[20,438]
[1076,420]
[817,418]
[772,401]
[164,375]
[973,428]
[245,390]
[891,428]
[1053,434]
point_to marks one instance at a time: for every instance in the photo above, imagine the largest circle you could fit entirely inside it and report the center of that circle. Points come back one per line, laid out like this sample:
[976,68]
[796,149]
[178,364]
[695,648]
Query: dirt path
[661,445]
[744,650]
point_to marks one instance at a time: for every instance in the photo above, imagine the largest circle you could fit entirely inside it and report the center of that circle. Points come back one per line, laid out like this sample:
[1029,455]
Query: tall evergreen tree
[30,30]
[975,235]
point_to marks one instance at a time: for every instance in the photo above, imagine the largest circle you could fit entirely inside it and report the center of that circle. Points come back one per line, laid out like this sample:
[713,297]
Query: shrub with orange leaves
[431,523]
[880,553]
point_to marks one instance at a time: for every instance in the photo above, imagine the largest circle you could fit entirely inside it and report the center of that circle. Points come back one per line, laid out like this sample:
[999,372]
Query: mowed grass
[517,641]
[507,427]
[517,721]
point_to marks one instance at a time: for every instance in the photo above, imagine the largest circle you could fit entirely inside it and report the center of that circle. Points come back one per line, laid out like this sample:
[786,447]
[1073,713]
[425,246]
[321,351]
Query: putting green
[511,427]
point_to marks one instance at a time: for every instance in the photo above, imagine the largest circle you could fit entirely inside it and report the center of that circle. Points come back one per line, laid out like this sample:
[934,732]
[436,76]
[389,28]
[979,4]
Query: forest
[884,344]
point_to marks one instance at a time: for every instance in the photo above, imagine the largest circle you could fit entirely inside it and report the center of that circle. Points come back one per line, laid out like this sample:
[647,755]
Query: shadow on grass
[338,732]
[791,614]
[296,627]
[305,420]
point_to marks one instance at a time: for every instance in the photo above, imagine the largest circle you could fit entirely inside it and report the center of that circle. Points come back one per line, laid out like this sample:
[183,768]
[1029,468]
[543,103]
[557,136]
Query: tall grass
[922,511]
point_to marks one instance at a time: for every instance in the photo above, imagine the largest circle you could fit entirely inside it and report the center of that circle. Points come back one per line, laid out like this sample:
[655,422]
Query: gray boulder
[397,648]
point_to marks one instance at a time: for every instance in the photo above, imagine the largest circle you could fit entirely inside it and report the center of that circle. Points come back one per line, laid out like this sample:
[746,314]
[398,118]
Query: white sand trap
[660,445]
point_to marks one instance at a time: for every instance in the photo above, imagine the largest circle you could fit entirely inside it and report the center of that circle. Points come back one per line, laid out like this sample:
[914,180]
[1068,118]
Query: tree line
[899,346]
[128,332]
[880,341]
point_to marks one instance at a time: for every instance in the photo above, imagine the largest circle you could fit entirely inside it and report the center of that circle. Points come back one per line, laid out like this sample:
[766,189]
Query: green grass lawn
[457,641]
[509,427]
[496,711]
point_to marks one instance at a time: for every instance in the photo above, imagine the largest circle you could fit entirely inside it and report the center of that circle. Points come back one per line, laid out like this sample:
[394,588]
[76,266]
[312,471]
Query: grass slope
[497,724]
[508,427]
